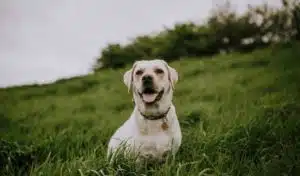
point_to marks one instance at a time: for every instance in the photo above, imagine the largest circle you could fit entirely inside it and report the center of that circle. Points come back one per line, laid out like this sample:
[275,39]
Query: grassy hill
[239,115]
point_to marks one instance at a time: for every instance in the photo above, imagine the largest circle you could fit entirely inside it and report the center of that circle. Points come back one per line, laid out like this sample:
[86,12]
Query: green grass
[239,115]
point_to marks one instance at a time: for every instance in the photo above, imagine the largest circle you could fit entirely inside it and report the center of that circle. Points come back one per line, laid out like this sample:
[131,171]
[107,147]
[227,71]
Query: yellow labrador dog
[153,130]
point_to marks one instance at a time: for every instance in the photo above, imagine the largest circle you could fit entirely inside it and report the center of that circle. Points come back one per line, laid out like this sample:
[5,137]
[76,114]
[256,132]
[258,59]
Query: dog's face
[151,81]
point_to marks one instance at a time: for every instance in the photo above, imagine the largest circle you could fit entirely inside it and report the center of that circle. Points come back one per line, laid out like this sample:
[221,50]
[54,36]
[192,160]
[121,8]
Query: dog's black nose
[147,79]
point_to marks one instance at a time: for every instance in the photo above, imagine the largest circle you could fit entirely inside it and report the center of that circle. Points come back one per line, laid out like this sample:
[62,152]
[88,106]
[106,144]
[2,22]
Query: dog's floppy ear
[128,77]
[172,75]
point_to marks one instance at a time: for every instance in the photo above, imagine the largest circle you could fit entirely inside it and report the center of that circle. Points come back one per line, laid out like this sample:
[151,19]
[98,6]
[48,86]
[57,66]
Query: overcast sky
[44,40]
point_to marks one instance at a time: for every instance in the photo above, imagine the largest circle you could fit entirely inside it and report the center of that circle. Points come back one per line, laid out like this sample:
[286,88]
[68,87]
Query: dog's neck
[155,117]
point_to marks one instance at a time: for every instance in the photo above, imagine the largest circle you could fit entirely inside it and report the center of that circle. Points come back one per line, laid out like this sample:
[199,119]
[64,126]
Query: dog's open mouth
[150,96]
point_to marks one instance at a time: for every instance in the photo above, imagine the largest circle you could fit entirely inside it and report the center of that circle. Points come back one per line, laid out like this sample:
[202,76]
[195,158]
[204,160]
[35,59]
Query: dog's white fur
[142,136]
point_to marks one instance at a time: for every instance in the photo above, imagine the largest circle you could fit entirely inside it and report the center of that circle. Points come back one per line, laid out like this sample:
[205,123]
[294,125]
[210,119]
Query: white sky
[44,40]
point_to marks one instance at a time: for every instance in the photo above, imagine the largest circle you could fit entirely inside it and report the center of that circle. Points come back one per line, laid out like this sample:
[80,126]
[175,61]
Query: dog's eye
[159,71]
[139,72]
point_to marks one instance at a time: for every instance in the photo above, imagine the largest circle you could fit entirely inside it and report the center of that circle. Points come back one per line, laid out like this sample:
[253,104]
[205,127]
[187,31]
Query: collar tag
[164,125]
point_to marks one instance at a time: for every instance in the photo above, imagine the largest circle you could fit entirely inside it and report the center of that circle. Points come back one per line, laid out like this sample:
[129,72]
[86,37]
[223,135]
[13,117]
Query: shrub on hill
[224,31]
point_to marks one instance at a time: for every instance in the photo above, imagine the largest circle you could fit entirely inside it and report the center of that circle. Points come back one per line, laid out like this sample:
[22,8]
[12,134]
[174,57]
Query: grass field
[239,114]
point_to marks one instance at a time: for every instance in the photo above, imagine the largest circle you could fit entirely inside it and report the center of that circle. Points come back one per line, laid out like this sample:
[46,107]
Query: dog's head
[152,83]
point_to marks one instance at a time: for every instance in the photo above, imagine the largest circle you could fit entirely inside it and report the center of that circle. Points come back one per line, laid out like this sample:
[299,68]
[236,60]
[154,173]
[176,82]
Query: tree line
[224,31]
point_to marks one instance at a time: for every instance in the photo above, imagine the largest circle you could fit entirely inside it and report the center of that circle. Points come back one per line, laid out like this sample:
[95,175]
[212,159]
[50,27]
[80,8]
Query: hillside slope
[239,116]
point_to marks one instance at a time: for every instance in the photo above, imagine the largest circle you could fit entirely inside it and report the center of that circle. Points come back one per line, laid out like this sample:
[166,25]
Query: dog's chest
[154,139]
[155,145]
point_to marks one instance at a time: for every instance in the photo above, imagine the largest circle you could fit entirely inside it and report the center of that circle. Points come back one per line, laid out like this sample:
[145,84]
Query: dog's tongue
[149,97]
